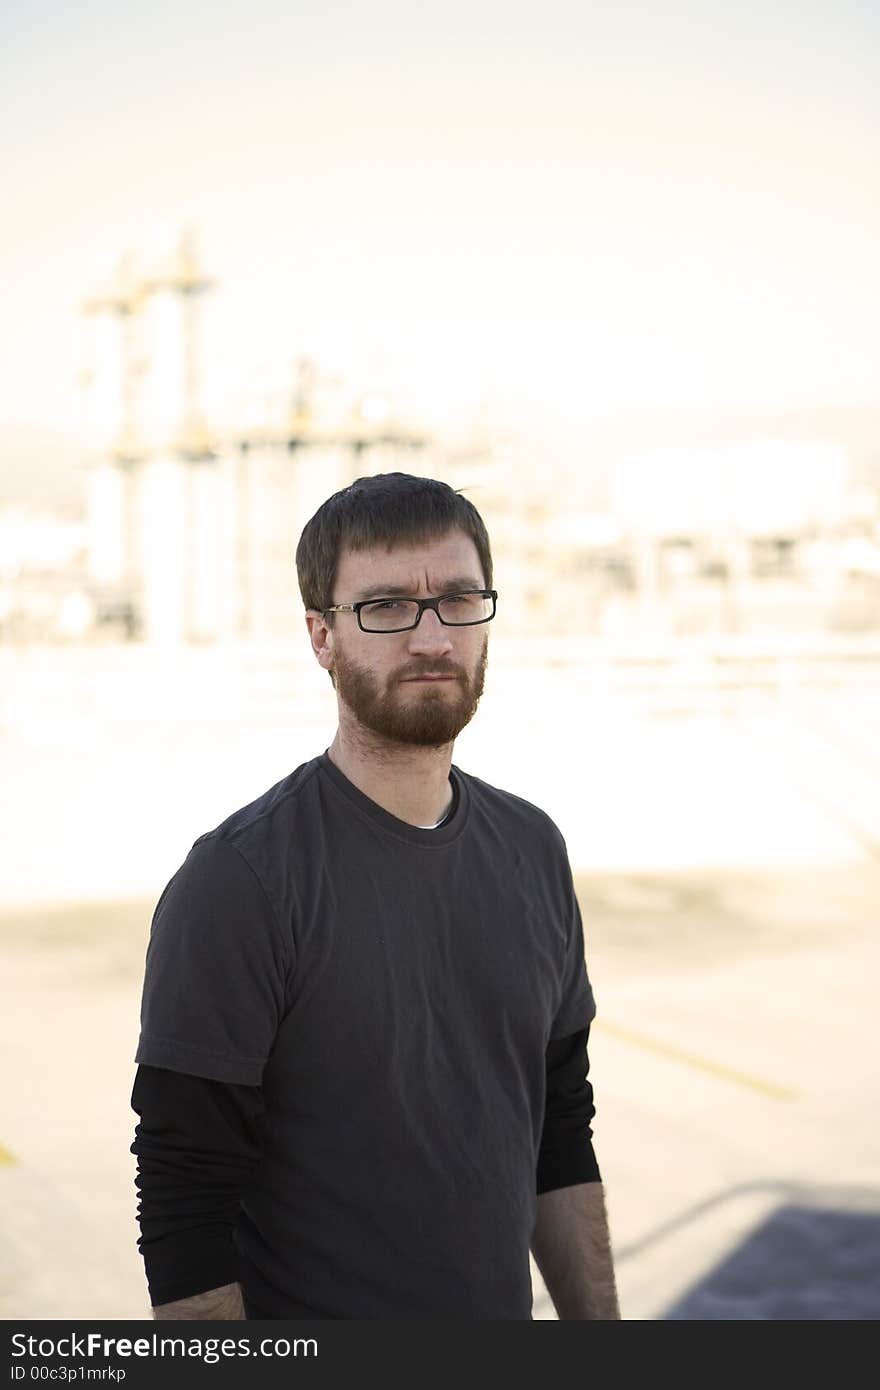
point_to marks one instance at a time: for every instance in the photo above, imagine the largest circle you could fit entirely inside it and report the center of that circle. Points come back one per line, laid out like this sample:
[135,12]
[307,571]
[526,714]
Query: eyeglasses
[401,614]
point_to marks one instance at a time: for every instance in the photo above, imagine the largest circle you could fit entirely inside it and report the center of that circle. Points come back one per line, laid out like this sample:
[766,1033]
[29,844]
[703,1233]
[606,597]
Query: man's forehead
[451,556]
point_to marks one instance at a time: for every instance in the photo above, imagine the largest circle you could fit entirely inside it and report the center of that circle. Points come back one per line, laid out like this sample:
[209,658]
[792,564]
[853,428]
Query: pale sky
[573,210]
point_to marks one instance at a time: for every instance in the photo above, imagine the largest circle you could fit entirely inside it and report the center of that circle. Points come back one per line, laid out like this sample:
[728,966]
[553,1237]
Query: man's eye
[388,605]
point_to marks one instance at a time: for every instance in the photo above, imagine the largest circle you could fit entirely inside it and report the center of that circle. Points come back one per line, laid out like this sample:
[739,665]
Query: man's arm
[223,1303]
[572,1249]
[571,1243]
[198,1143]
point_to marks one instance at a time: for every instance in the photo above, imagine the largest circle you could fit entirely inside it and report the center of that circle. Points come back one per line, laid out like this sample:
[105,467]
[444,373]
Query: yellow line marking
[693,1059]
[6,1157]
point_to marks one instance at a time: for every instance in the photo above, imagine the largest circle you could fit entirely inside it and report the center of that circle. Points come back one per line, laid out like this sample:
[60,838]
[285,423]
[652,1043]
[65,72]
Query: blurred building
[191,532]
[751,537]
[44,577]
[759,537]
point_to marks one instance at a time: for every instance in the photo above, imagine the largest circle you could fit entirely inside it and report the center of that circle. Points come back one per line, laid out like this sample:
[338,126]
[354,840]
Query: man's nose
[431,635]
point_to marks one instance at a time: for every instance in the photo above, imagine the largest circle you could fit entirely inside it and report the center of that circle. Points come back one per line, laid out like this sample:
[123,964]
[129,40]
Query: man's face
[419,687]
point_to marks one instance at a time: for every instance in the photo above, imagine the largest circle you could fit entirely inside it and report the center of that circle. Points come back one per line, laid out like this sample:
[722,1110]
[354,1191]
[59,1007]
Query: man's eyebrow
[451,586]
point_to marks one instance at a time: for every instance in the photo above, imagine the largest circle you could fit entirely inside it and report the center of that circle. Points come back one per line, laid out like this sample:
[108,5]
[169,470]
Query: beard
[431,717]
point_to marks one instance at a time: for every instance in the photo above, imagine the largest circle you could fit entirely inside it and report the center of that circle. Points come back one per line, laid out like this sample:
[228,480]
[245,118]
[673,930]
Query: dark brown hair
[386,509]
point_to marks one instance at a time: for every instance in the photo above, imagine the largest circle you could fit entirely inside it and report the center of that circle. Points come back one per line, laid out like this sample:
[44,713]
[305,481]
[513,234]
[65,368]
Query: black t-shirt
[199,1143]
[393,991]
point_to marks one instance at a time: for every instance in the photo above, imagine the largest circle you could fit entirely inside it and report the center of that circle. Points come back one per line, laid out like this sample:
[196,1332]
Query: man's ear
[321,638]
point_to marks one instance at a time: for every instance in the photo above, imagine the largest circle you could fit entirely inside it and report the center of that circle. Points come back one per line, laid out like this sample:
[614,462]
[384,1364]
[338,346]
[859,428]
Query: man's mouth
[409,679]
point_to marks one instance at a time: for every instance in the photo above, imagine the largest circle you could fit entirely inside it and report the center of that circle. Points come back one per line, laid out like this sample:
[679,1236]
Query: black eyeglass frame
[432,603]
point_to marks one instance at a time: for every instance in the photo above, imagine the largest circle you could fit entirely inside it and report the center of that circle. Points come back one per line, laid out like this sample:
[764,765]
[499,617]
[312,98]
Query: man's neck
[409,782]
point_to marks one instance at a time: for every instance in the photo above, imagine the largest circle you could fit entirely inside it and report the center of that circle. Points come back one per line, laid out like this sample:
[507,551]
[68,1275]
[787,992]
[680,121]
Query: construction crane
[153,339]
[180,274]
[122,299]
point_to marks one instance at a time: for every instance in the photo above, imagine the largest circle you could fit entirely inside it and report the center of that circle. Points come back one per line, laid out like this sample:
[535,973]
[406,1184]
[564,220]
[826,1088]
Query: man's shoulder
[512,811]
[268,815]
[255,849]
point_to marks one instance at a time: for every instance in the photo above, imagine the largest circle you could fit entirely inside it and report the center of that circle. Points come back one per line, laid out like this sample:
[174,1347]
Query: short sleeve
[217,970]
[577,1007]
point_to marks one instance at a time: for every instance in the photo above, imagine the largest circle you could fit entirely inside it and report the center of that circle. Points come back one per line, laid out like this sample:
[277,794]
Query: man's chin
[431,723]
[422,733]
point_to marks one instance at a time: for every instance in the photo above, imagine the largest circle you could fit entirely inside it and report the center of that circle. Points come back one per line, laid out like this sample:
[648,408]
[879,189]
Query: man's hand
[225,1303]
[572,1249]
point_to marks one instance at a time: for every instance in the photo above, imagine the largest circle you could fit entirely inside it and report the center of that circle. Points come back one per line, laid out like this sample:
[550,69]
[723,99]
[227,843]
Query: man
[362,1065]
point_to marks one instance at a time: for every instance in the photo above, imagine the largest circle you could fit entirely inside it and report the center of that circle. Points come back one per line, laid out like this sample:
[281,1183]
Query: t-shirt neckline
[432,838]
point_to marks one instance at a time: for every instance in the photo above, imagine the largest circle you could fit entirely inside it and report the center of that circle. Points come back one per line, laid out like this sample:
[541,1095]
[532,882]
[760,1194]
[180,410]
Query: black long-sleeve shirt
[198,1145]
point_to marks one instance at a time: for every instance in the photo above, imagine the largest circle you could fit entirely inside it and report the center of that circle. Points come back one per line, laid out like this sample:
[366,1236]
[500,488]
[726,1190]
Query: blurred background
[613,272]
